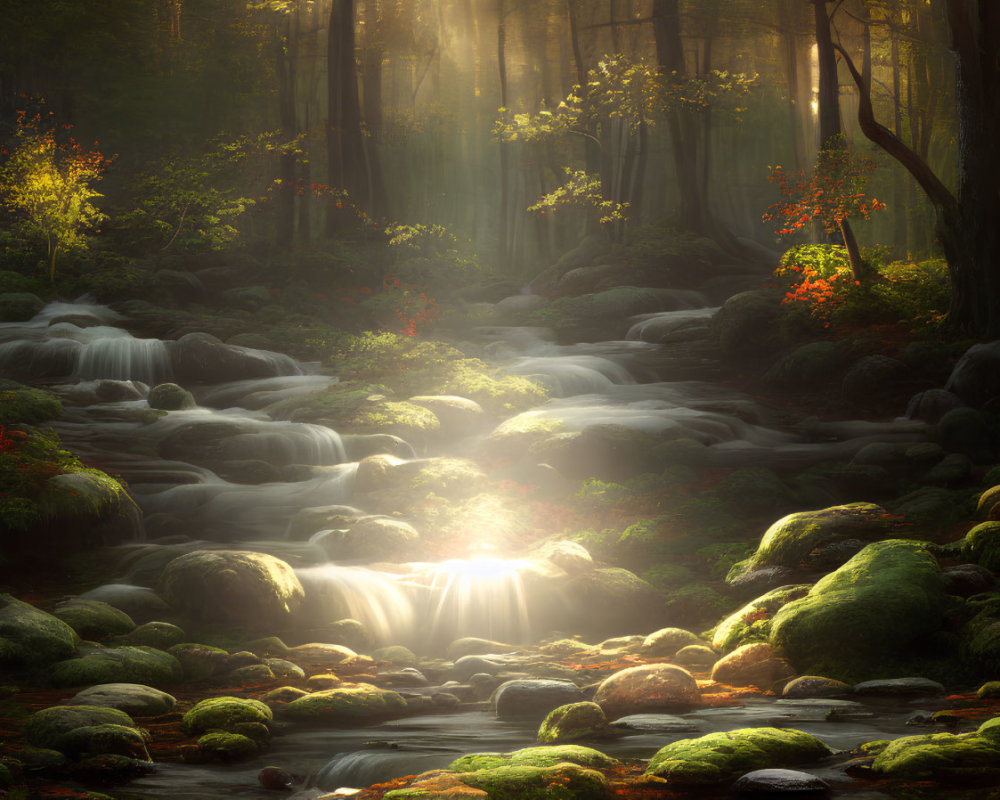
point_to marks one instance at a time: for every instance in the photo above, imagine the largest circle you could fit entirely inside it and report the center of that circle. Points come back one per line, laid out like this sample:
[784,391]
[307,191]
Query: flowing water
[657,379]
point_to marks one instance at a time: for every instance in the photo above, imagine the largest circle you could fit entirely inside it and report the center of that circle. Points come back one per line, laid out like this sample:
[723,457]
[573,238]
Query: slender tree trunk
[286,190]
[505,211]
[372,92]
[345,143]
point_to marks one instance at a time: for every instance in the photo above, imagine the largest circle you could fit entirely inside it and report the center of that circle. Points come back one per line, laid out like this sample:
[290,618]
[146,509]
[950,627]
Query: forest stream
[485,631]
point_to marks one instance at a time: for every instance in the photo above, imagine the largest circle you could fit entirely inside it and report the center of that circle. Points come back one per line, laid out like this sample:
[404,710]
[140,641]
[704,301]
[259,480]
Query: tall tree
[966,220]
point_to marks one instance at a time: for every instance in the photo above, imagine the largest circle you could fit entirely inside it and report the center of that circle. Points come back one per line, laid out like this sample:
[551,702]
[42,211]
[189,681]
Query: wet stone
[780,781]
[534,698]
[895,687]
[655,723]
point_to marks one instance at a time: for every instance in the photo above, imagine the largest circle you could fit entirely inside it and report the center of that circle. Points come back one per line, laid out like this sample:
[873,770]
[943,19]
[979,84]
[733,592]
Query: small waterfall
[284,443]
[653,327]
[378,600]
[122,357]
[568,375]
[482,597]
[259,392]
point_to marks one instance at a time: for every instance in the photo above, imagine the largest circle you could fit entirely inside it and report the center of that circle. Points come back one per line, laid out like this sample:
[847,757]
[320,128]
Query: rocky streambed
[540,569]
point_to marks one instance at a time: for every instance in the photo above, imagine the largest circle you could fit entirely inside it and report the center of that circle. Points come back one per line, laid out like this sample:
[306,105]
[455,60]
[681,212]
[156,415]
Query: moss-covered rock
[224,713]
[544,756]
[648,688]
[752,622]
[722,757]
[199,661]
[942,756]
[571,722]
[810,365]
[754,664]
[47,727]
[756,491]
[347,703]
[558,782]
[19,306]
[31,636]
[866,619]
[107,737]
[605,600]
[790,540]
[93,619]
[118,665]
[751,322]
[255,590]
[982,545]
[667,641]
[370,539]
[224,746]
[132,698]
[22,405]
[170,397]
[161,635]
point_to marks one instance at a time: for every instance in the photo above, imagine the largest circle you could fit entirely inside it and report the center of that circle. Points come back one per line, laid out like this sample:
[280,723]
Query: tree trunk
[285,200]
[344,140]
[693,211]
[372,91]
[967,224]
[505,210]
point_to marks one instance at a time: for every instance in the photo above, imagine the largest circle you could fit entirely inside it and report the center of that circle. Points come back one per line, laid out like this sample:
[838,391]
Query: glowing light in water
[477,597]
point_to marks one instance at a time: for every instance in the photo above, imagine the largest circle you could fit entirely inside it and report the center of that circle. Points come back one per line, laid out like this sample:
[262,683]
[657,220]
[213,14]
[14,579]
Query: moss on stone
[724,756]
[224,713]
[23,405]
[347,703]
[572,721]
[118,665]
[227,746]
[93,619]
[982,545]
[47,727]
[123,740]
[864,615]
[752,622]
[558,782]
[932,756]
[31,636]
[545,756]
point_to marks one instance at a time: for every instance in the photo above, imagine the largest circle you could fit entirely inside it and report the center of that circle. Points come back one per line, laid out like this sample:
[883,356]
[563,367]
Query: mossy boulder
[170,397]
[752,622]
[22,405]
[347,703]
[868,618]
[755,491]
[751,322]
[19,306]
[648,688]
[135,699]
[199,661]
[93,619]
[117,665]
[943,756]
[29,635]
[722,757]
[104,738]
[981,545]
[543,756]
[571,722]
[558,782]
[667,641]
[161,635]
[810,365]
[370,539]
[446,477]
[224,714]
[47,727]
[603,601]
[790,541]
[223,746]
[255,590]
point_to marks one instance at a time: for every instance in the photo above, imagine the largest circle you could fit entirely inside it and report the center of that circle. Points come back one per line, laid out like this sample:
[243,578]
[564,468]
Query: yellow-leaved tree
[46,182]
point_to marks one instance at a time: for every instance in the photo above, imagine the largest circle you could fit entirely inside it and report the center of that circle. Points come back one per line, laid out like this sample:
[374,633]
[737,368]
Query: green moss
[47,727]
[546,756]
[724,756]
[752,622]
[933,756]
[31,636]
[866,614]
[223,713]
[227,746]
[982,545]
[560,782]
[93,619]
[347,703]
[106,737]
[22,405]
[199,661]
[572,721]
[118,665]
[789,541]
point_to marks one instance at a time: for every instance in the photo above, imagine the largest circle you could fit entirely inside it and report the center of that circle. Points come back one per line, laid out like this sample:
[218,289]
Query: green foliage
[29,461]
[46,181]
[595,494]
[583,190]
[431,254]
[822,260]
[190,203]
[21,404]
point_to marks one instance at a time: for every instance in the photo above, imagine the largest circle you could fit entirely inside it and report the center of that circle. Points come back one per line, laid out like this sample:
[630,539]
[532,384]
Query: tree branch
[939,194]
